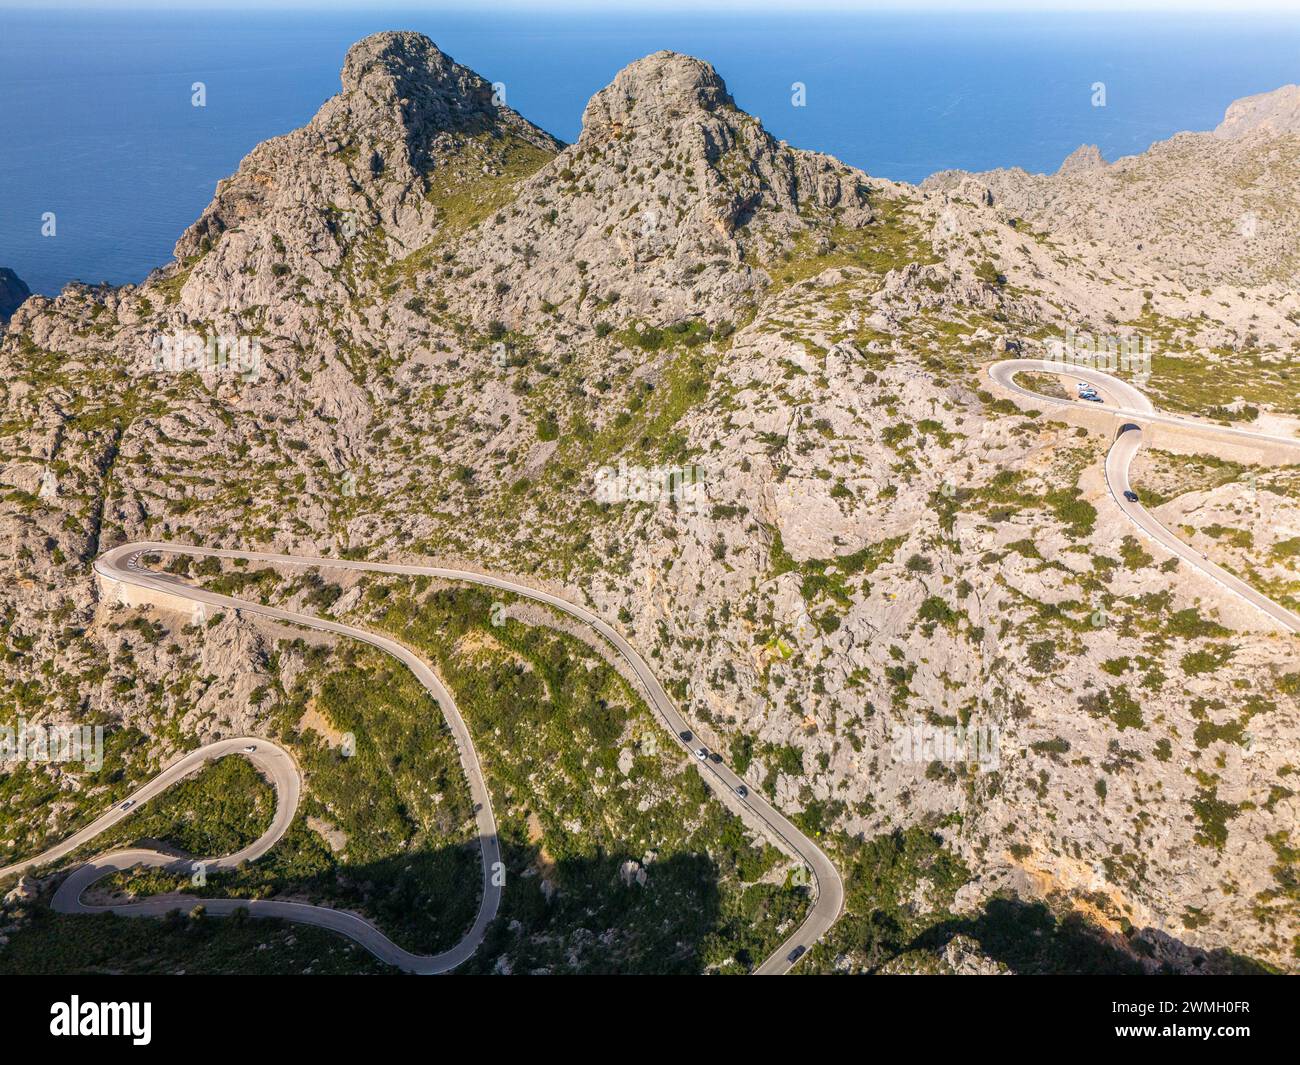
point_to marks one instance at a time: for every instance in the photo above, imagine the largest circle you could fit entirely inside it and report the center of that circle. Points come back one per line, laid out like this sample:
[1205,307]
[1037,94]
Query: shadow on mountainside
[1029,938]
[588,918]
[901,915]
[581,915]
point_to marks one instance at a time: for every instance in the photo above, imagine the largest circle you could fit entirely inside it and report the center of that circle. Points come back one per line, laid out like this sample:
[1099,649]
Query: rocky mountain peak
[664,204]
[355,183]
[398,58]
[1275,113]
[658,90]
[403,79]
[1084,157]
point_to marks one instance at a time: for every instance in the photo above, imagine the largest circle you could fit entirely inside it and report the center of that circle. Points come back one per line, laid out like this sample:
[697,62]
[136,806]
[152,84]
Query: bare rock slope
[12,293]
[1211,208]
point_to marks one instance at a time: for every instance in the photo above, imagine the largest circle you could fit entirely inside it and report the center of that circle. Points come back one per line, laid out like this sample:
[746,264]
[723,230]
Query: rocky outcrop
[12,293]
[1201,206]
[1084,158]
[352,186]
[654,94]
[671,192]
[1268,113]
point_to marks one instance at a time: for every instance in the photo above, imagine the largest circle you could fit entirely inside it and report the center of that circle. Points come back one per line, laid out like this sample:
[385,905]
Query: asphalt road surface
[122,564]
[1132,408]
[274,762]
[1128,400]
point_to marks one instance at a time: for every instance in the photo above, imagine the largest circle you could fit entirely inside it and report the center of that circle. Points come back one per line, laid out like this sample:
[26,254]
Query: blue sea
[96,122]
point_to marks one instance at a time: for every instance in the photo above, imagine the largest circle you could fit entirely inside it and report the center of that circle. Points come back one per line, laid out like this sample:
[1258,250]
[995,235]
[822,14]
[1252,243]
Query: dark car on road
[742,791]
[1130,495]
[795,954]
[686,736]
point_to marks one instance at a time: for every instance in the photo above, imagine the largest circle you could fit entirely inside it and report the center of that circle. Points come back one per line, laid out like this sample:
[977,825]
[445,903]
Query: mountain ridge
[1206,211]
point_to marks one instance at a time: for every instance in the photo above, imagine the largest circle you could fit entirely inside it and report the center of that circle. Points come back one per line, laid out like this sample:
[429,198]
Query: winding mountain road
[121,567]
[275,763]
[1132,408]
